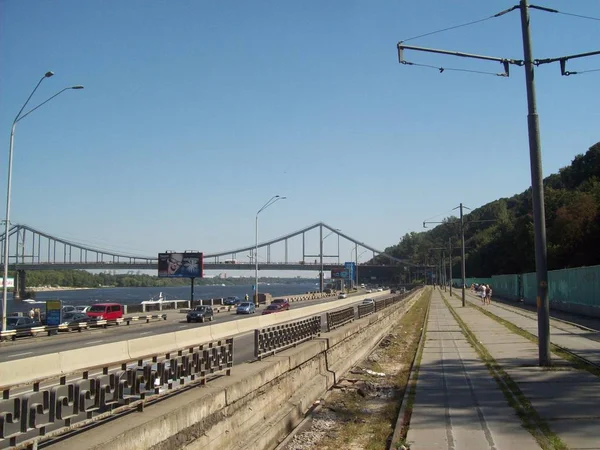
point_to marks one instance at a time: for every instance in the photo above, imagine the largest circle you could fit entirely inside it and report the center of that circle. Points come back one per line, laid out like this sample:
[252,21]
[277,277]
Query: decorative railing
[338,318]
[268,341]
[37,412]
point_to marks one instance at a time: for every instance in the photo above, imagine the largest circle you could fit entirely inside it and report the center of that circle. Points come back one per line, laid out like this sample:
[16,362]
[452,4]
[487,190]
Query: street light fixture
[18,118]
[271,201]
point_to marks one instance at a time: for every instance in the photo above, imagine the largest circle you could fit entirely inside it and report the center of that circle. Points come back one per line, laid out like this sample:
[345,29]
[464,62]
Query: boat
[157,299]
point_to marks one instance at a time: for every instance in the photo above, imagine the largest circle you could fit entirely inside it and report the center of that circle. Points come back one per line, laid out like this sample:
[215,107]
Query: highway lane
[29,347]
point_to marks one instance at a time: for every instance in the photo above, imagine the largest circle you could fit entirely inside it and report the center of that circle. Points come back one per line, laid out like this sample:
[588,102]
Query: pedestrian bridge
[32,249]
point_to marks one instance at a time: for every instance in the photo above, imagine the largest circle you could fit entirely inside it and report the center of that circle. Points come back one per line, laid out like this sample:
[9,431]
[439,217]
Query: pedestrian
[246,297]
[31,313]
[488,295]
[482,293]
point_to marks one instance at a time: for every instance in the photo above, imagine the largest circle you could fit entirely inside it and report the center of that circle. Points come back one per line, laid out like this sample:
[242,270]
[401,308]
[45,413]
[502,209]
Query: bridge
[33,249]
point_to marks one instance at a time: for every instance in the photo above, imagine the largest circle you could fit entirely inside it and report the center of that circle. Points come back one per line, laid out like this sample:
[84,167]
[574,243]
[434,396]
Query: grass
[370,428]
[531,420]
[576,362]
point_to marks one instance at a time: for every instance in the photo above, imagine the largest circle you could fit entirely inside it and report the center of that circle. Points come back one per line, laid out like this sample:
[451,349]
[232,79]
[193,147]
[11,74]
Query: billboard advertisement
[341,273]
[53,313]
[181,265]
[10,282]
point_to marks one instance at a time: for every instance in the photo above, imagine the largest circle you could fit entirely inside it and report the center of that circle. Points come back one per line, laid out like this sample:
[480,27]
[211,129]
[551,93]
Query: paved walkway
[579,340]
[459,405]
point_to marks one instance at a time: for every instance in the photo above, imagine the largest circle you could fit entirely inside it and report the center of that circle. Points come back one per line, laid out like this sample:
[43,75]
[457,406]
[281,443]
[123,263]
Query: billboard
[342,273]
[181,265]
[10,282]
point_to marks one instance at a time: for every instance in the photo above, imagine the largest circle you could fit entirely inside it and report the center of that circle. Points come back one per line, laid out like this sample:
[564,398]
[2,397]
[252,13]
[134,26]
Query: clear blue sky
[195,113]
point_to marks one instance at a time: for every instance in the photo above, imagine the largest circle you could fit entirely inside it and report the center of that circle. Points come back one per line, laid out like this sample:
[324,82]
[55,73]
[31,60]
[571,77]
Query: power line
[443,69]
[556,11]
[501,13]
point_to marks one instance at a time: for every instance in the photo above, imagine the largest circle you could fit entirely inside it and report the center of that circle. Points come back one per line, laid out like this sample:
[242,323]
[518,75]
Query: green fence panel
[506,286]
[470,281]
[529,288]
[580,286]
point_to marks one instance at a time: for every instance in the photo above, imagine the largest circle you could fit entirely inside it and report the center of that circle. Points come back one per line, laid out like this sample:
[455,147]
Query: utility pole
[450,260]
[462,253]
[537,187]
[537,191]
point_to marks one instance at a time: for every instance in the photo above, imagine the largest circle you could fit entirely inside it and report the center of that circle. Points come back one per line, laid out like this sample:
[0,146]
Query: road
[34,346]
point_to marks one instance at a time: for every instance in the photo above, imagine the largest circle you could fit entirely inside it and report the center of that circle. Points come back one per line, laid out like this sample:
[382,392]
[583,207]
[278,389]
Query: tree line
[505,244]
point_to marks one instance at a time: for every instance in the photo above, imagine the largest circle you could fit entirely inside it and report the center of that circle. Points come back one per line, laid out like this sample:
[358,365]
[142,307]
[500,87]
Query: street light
[273,200]
[18,118]
[357,257]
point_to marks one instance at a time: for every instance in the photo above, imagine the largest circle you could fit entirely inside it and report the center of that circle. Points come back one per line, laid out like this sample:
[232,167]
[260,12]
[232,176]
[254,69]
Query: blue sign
[351,269]
[53,313]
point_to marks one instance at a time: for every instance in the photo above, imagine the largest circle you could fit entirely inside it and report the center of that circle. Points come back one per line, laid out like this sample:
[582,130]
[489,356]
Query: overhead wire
[556,11]
[443,69]
[501,13]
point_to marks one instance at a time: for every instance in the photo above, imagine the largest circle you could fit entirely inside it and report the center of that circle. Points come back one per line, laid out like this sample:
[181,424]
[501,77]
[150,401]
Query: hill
[505,244]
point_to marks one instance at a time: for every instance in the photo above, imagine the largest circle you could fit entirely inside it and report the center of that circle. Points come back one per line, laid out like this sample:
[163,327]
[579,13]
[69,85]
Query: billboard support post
[192,290]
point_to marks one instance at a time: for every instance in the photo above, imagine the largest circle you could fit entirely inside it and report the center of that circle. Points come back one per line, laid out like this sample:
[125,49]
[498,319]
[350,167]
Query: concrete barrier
[224,330]
[78,359]
[160,343]
[193,337]
[23,370]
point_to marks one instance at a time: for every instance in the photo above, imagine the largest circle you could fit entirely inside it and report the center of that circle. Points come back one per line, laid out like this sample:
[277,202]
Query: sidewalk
[579,340]
[458,404]
[568,400]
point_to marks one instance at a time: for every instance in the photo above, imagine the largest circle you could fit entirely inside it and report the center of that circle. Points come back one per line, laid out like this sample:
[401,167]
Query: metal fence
[338,318]
[35,413]
[365,310]
[268,341]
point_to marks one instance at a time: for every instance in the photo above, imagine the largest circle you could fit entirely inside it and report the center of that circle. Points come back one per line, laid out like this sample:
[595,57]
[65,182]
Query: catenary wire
[443,69]
[501,13]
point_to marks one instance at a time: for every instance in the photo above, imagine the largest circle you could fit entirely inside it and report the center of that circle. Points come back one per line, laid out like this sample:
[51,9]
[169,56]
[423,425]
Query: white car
[368,291]
[343,295]
[379,289]
[368,301]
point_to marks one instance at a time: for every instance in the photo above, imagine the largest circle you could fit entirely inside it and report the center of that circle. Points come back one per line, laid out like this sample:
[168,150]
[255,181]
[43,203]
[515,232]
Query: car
[68,309]
[81,309]
[246,308]
[22,324]
[200,314]
[379,289]
[72,319]
[368,301]
[233,300]
[368,291]
[343,295]
[273,308]
[105,311]
[285,304]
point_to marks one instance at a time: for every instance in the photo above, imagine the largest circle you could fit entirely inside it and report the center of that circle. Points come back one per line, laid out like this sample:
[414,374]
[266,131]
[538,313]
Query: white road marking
[19,354]
[145,332]
[96,342]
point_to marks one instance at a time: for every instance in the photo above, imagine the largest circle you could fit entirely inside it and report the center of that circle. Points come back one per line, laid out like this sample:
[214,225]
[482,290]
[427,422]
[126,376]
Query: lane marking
[19,354]
[96,342]
[146,332]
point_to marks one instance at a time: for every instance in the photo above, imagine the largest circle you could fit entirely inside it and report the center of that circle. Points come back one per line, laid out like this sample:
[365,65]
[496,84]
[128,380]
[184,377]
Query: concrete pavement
[458,404]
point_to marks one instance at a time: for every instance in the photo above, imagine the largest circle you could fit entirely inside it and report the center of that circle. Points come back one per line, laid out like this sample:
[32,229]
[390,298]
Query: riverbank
[57,288]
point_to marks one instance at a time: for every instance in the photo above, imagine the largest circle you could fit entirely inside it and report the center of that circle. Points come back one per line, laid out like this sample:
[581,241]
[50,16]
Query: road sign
[53,313]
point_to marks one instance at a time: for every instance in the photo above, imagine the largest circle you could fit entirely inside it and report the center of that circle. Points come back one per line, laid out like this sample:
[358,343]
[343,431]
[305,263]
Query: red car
[285,305]
[274,308]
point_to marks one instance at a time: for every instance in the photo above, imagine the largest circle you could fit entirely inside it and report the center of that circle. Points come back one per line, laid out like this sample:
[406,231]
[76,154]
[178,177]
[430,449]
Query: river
[133,295]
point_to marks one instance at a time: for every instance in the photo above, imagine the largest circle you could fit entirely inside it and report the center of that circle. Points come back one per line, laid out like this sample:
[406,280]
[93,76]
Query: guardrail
[268,341]
[365,310]
[43,412]
[34,331]
[338,318]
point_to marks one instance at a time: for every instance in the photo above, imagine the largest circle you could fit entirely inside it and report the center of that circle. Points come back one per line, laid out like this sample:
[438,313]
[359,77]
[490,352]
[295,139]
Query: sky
[195,113]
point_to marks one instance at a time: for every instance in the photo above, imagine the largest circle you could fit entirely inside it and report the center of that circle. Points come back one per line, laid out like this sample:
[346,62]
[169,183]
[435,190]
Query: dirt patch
[360,412]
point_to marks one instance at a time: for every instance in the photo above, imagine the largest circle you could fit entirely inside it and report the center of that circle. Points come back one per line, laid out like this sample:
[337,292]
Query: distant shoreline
[57,288]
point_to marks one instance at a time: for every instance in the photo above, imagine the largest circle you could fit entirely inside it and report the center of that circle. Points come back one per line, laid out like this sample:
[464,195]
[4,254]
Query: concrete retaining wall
[254,408]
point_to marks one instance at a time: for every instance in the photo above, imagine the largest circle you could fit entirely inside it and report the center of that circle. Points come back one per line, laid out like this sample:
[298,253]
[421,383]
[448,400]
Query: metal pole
[537,190]
[256,261]
[192,290]
[462,253]
[444,270]
[6,228]
[450,258]
[338,248]
[356,262]
[321,256]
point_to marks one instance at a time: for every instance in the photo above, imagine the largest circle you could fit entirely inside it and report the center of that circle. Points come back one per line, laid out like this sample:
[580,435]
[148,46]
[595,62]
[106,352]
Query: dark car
[285,304]
[232,300]
[75,318]
[22,325]
[200,314]
[274,308]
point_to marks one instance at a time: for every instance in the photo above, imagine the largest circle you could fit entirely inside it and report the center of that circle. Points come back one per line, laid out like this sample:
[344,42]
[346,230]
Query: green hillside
[572,203]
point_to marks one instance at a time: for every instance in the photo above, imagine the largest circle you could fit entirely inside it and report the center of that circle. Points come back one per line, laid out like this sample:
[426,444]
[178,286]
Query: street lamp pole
[18,118]
[271,201]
